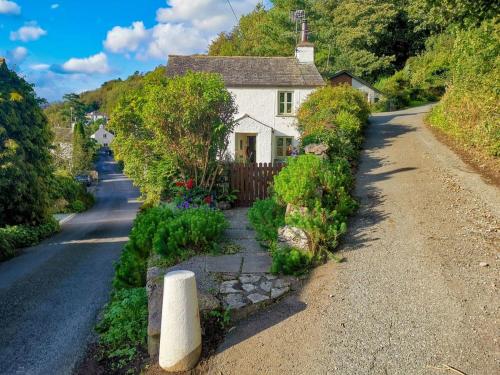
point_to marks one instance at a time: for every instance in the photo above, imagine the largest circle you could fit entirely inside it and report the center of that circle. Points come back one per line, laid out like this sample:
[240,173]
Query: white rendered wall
[102,136]
[372,94]
[305,54]
[262,104]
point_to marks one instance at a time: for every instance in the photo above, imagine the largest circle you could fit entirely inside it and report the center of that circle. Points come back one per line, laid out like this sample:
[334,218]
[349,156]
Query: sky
[64,46]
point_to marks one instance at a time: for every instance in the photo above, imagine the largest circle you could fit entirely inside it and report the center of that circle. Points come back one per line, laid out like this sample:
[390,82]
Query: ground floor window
[284,147]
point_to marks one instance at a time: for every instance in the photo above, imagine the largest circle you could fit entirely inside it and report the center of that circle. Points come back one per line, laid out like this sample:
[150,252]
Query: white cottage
[268,92]
[102,136]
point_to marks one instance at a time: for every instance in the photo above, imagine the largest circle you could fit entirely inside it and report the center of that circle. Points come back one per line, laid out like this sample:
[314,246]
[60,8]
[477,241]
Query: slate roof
[249,70]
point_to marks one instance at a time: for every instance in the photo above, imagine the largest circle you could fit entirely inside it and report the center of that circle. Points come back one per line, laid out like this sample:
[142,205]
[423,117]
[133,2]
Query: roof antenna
[297,16]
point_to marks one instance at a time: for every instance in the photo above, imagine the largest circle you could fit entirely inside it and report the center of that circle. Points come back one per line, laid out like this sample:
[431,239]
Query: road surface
[413,295]
[51,294]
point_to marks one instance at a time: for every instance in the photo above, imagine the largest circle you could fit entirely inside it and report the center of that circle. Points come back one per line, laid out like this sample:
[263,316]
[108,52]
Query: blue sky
[70,46]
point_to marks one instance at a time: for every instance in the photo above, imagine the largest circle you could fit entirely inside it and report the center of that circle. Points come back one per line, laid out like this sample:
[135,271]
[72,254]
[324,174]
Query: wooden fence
[252,180]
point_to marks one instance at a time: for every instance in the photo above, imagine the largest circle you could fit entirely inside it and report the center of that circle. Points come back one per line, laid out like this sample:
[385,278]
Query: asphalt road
[50,295]
[412,296]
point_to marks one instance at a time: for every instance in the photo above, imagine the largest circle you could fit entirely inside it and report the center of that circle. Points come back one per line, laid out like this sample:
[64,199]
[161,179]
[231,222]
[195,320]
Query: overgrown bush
[290,261]
[19,236]
[130,271]
[322,108]
[335,116]
[321,187]
[266,216]
[469,110]
[68,195]
[123,328]
[307,179]
[194,229]
[170,232]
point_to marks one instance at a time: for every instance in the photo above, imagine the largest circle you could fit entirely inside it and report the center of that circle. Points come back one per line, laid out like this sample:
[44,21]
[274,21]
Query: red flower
[189,184]
[179,183]
[208,199]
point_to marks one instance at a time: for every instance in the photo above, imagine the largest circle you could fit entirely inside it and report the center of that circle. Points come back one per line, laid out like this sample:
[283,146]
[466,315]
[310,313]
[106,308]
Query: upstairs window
[285,103]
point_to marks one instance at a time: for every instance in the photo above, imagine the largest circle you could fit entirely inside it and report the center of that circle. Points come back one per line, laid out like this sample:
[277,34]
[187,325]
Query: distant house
[268,92]
[102,136]
[94,116]
[345,77]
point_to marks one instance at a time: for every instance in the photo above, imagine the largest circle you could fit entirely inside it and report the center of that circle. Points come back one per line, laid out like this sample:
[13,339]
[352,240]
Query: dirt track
[411,297]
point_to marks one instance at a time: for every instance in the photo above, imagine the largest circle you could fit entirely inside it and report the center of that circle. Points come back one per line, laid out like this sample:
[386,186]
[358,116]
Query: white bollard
[180,337]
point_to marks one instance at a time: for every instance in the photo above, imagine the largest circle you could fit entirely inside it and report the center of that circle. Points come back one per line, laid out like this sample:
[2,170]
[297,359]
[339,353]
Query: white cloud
[185,27]
[54,6]
[210,15]
[126,39]
[29,32]
[89,65]
[40,67]
[165,40]
[17,55]
[9,7]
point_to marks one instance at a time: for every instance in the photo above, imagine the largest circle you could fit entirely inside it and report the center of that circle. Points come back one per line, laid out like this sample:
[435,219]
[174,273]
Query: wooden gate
[252,180]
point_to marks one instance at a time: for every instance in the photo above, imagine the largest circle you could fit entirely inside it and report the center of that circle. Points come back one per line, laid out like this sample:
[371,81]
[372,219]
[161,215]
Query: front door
[251,148]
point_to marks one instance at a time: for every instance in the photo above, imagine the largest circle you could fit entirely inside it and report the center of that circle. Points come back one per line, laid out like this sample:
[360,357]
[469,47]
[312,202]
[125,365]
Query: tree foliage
[173,126]
[468,110]
[83,152]
[25,161]
[370,38]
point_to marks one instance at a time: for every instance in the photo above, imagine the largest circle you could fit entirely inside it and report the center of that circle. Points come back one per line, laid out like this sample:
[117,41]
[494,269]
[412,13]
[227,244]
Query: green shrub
[343,141]
[321,109]
[335,116]
[64,188]
[123,328]
[130,270]
[298,182]
[307,179]
[266,216]
[169,232]
[77,206]
[19,236]
[468,111]
[193,229]
[290,261]
[7,249]
[321,187]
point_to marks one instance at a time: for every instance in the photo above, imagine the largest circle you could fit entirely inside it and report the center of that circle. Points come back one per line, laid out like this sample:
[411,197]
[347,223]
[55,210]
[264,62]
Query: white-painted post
[180,338]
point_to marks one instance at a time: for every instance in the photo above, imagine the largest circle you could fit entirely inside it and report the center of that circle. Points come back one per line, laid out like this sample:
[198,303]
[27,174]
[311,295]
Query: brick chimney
[304,52]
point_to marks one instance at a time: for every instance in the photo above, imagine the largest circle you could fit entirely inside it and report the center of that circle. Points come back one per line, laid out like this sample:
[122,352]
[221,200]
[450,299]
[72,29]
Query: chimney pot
[305,31]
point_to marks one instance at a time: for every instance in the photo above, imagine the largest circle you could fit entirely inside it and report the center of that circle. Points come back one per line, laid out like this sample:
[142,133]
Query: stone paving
[253,288]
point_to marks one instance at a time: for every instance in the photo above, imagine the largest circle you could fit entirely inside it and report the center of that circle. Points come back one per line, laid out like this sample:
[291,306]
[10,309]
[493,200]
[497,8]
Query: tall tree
[173,127]
[82,156]
[25,160]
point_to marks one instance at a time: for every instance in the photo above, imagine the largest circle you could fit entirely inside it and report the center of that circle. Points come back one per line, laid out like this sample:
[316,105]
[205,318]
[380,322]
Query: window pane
[282,97]
[282,107]
[288,141]
[288,107]
[279,151]
[280,142]
[289,97]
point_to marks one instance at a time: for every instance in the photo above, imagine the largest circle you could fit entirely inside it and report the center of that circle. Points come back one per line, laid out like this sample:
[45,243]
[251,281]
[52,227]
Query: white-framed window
[285,103]
[284,147]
